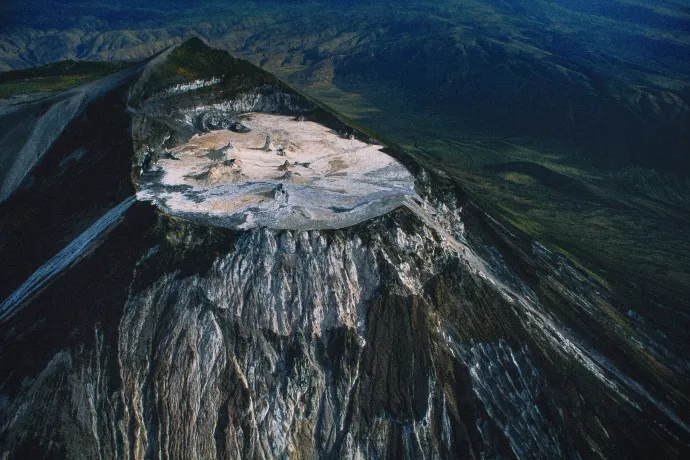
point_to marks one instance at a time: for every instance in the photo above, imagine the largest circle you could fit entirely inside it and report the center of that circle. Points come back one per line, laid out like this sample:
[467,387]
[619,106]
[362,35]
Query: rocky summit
[206,263]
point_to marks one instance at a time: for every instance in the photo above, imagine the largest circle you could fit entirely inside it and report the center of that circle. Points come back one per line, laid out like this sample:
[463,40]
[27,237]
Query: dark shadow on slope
[547,177]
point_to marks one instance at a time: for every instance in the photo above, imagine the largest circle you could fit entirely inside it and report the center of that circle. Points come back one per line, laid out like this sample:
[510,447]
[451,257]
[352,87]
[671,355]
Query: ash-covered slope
[30,127]
[428,332]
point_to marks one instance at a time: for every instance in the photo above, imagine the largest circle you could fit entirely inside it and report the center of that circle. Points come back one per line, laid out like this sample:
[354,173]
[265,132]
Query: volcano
[173,289]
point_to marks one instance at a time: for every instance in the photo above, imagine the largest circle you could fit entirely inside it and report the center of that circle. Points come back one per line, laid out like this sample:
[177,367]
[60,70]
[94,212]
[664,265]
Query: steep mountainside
[502,95]
[432,331]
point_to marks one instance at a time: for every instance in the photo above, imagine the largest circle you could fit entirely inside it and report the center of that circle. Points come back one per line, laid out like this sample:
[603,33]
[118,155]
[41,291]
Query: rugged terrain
[432,331]
[278,171]
[548,112]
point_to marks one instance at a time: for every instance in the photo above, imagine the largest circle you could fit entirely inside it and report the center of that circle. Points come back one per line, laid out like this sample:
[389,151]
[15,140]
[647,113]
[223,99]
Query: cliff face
[429,332]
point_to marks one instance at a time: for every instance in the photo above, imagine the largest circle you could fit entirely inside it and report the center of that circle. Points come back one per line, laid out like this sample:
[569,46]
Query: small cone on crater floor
[268,146]
[229,151]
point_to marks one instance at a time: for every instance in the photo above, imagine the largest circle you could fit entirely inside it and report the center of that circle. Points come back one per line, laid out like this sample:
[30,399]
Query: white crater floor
[311,178]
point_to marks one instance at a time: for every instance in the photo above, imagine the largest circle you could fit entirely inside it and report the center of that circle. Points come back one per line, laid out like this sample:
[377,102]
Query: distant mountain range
[609,78]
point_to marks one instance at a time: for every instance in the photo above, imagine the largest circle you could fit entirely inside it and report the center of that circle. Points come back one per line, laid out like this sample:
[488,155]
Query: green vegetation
[194,60]
[55,77]
[625,225]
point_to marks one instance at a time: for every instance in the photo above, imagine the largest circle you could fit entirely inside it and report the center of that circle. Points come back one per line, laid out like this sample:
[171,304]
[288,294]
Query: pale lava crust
[308,178]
